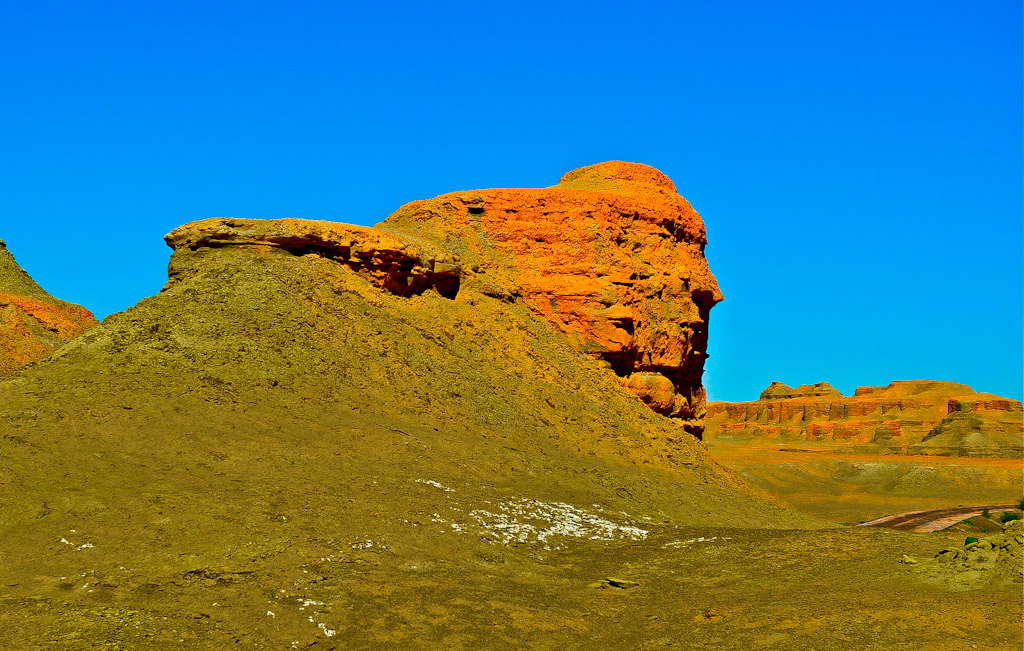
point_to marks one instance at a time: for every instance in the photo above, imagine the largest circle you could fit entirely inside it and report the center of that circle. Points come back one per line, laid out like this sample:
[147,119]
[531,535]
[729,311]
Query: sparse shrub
[1006,516]
[986,514]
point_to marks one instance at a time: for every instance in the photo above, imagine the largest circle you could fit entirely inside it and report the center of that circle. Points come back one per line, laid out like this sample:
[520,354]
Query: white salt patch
[525,520]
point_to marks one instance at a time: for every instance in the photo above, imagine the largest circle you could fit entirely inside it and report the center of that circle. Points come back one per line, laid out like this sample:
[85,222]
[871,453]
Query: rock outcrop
[32,322]
[779,391]
[915,417]
[995,559]
[612,256]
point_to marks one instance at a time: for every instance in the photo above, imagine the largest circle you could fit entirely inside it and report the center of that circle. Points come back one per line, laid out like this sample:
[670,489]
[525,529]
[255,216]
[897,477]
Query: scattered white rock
[679,544]
[329,632]
[431,482]
[87,545]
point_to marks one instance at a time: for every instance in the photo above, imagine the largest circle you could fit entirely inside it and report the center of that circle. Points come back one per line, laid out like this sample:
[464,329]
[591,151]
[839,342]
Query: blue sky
[858,164]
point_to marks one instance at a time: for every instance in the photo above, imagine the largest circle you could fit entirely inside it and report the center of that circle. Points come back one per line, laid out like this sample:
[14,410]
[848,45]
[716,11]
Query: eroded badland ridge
[908,417]
[32,322]
[473,426]
[909,446]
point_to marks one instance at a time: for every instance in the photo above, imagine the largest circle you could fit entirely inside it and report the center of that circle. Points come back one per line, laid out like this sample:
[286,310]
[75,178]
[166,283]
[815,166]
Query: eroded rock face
[32,322]
[612,256]
[914,417]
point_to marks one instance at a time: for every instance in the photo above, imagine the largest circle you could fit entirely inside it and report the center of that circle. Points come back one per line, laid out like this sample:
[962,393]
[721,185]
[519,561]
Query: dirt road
[934,520]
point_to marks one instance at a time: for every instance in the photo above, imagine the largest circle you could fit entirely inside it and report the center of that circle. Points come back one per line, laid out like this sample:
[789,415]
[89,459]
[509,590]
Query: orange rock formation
[916,417]
[32,323]
[612,256]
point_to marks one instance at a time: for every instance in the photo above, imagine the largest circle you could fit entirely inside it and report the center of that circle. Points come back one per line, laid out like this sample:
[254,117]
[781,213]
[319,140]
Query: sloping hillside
[32,322]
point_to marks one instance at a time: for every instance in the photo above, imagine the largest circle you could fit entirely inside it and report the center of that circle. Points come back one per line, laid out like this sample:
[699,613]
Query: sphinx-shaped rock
[32,322]
[612,256]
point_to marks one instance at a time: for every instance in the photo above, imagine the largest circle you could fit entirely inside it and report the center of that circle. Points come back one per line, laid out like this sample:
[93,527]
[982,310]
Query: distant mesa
[32,322]
[905,417]
[612,257]
[779,391]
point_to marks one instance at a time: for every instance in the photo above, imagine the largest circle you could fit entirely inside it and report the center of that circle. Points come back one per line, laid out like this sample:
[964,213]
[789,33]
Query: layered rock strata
[612,257]
[32,322]
[914,417]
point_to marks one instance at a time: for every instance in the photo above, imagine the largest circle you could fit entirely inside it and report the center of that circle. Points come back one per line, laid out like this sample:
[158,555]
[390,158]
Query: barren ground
[854,488]
[272,454]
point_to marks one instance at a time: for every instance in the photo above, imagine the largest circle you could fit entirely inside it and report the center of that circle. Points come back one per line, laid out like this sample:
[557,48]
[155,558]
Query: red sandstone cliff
[32,322]
[917,417]
[612,256]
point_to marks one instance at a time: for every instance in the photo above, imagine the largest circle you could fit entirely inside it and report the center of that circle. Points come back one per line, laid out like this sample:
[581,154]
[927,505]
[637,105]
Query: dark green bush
[1006,516]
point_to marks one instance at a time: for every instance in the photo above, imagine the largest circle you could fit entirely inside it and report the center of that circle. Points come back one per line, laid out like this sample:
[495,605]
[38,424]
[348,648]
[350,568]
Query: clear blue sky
[858,164]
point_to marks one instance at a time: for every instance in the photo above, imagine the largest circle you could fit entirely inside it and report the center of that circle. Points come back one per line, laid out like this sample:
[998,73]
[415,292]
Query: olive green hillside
[268,411]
